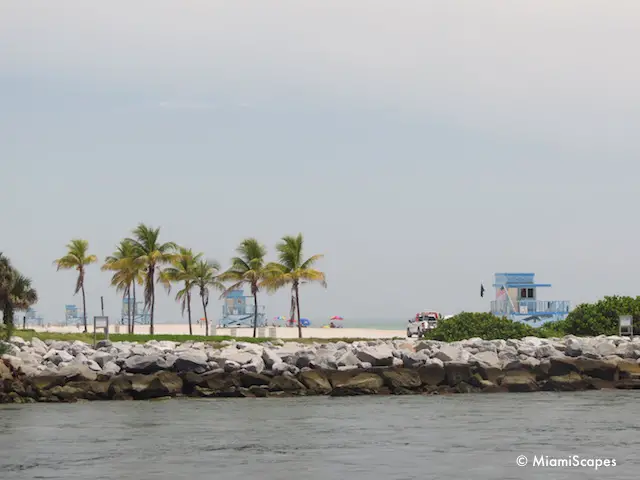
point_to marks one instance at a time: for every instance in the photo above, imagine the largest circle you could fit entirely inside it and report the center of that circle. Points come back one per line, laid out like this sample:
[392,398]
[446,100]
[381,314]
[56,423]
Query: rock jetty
[59,371]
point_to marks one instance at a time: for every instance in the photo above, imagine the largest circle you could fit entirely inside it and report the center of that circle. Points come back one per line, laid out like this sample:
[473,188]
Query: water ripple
[390,438]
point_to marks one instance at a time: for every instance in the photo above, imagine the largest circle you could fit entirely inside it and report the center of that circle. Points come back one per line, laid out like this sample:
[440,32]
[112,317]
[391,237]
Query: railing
[245,310]
[530,307]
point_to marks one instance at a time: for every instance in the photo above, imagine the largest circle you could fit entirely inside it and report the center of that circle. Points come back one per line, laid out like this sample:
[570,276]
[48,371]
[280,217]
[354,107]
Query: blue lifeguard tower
[239,309]
[72,315]
[517,299]
[141,314]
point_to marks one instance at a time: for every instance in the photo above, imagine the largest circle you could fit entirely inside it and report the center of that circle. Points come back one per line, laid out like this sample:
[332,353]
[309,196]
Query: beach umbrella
[336,317]
[305,322]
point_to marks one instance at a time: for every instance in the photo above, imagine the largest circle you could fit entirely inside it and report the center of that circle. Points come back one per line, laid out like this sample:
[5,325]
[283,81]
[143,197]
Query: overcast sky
[420,145]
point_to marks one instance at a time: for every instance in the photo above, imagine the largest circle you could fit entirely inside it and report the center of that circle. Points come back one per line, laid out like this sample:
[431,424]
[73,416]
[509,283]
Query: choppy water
[387,438]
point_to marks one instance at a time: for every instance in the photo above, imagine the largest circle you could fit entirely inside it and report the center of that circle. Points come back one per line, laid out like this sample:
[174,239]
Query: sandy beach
[280,332]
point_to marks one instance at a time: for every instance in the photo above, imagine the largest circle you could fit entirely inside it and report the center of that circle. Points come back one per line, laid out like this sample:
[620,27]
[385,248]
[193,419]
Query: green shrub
[4,348]
[602,317]
[555,328]
[484,325]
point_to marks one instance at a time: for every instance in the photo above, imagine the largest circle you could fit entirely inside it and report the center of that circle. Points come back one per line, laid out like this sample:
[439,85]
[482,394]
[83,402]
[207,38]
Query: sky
[421,145]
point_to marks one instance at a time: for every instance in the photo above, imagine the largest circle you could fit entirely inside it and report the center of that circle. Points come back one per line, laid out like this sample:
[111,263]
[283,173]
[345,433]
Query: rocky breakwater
[57,371]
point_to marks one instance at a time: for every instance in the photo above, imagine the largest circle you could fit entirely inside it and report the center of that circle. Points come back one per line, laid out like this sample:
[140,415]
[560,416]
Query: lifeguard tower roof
[517,299]
[517,280]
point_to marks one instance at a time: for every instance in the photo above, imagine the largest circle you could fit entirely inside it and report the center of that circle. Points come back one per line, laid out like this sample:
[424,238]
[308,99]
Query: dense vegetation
[601,318]
[483,325]
[588,319]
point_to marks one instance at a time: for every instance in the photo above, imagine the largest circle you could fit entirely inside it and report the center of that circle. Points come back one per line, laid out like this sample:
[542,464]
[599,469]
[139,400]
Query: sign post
[103,323]
[626,325]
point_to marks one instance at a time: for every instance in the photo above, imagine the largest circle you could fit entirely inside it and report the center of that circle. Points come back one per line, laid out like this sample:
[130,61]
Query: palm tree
[152,254]
[6,272]
[182,270]
[78,258]
[128,270]
[205,275]
[16,293]
[248,268]
[21,296]
[293,270]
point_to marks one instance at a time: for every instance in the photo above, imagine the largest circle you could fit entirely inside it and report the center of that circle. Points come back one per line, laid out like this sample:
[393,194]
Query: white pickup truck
[427,320]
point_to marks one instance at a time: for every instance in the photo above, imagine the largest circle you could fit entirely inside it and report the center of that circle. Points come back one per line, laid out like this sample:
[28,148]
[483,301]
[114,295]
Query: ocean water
[454,437]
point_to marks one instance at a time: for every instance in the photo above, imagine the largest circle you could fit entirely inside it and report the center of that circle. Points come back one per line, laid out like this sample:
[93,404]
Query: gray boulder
[279,368]
[414,359]
[347,359]
[30,358]
[269,357]
[547,351]
[77,372]
[487,359]
[450,353]
[194,361]
[231,366]
[15,362]
[102,358]
[239,357]
[39,346]
[627,350]
[58,356]
[256,365]
[18,341]
[58,345]
[145,364]
[378,356]
[605,348]
[573,347]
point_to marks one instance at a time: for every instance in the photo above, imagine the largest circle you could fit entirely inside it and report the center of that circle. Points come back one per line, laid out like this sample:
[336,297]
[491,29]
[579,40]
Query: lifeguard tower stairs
[517,299]
[239,309]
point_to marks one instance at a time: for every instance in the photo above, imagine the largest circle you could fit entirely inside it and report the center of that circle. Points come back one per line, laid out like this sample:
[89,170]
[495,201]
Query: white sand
[281,332]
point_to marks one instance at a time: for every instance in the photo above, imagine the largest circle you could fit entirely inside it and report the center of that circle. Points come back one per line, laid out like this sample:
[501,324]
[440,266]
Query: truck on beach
[423,321]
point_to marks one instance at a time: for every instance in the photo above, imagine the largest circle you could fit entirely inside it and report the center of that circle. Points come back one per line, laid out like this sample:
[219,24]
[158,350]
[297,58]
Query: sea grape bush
[588,319]
[483,325]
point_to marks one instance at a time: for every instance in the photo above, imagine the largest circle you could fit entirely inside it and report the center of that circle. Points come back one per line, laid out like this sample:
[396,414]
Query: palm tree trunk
[153,306]
[133,316]
[255,313]
[7,318]
[189,311]
[292,310]
[206,318]
[84,308]
[150,279]
[298,309]
[129,308]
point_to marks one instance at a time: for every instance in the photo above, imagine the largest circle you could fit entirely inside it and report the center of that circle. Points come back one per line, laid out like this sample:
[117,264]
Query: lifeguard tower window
[527,293]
